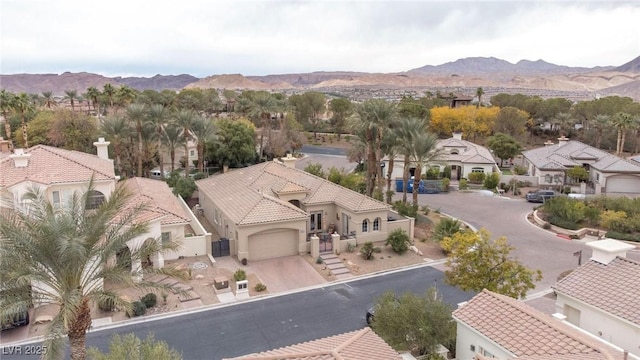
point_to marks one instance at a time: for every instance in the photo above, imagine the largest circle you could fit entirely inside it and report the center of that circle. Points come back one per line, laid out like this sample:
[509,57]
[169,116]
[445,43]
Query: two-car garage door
[623,184]
[273,243]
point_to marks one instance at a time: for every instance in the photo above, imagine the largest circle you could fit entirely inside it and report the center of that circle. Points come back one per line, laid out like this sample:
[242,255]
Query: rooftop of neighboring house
[360,344]
[613,287]
[250,195]
[463,151]
[49,165]
[528,333]
[569,153]
[160,202]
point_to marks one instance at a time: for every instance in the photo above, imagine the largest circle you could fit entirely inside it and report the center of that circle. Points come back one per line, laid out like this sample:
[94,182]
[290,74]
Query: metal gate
[326,244]
[220,248]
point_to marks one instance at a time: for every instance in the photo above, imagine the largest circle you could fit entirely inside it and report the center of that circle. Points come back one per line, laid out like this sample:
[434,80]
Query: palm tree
[136,113]
[203,131]
[22,105]
[424,151]
[125,95]
[479,93]
[72,96]
[157,117]
[62,256]
[601,122]
[172,138]
[116,129]
[47,99]
[406,131]
[110,92]
[93,94]
[622,122]
[261,106]
[185,120]
[563,121]
[6,104]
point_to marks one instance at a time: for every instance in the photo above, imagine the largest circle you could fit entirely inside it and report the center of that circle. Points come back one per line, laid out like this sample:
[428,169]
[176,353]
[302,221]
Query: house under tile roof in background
[271,209]
[602,296]
[608,173]
[493,325]
[361,344]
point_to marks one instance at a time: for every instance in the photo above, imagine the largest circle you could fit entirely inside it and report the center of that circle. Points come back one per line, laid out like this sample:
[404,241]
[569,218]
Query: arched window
[94,199]
[365,225]
[376,224]
[455,152]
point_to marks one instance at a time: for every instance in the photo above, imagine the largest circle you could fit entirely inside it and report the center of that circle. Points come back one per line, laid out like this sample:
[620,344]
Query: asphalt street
[278,321]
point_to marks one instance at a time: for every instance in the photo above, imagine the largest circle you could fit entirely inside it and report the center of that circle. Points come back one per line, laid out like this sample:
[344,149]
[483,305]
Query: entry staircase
[337,267]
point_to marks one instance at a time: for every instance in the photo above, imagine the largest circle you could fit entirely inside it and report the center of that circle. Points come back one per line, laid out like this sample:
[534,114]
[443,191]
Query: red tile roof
[160,201]
[48,165]
[356,345]
[613,288]
[526,332]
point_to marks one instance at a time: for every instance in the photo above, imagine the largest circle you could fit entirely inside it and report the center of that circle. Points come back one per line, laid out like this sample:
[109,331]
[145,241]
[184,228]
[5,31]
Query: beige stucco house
[272,209]
[61,173]
[602,296]
[463,156]
[491,325]
[608,173]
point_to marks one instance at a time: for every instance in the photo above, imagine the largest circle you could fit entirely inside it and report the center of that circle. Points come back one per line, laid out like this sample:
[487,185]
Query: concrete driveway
[285,273]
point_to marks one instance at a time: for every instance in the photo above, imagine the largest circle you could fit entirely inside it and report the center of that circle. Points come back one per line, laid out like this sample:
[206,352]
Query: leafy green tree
[578,173]
[414,323]
[72,131]
[130,347]
[341,109]
[476,262]
[235,145]
[316,169]
[39,128]
[399,241]
[66,253]
[183,186]
[511,121]
[491,181]
[412,108]
[504,146]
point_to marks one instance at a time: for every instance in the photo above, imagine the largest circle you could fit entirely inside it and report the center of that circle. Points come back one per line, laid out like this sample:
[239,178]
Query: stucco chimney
[103,148]
[604,251]
[457,135]
[289,161]
[20,158]
[562,140]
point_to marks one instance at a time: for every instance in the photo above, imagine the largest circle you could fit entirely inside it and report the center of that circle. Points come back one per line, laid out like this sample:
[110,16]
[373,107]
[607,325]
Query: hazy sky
[201,37]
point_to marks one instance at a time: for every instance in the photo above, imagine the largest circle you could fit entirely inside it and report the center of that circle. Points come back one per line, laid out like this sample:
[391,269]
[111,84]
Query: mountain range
[496,75]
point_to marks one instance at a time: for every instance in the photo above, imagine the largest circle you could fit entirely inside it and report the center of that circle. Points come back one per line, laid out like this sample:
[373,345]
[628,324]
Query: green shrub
[260,287]
[463,184]
[351,247]
[623,236]
[138,308]
[519,170]
[445,184]
[564,223]
[106,304]
[447,227]
[612,220]
[565,210]
[476,177]
[368,250]
[399,241]
[405,209]
[319,260]
[240,275]
[150,300]
[426,210]
[433,173]
[446,173]
[491,181]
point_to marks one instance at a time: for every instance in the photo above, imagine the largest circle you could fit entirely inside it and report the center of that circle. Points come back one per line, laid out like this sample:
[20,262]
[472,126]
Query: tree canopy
[504,146]
[476,262]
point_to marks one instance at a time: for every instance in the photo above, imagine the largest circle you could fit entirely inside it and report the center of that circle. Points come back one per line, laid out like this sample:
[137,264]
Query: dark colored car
[540,196]
[19,318]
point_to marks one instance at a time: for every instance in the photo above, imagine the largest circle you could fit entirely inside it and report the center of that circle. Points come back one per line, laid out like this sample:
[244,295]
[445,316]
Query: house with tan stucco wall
[271,209]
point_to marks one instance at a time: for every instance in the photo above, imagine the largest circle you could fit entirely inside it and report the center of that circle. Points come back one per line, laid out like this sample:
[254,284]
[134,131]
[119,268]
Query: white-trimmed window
[365,225]
[61,198]
[477,170]
[376,224]
[315,223]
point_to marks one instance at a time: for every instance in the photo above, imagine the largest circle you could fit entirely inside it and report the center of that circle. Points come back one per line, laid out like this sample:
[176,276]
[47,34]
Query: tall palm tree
[204,132]
[62,256]
[622,122]
[110,93]
[6,104]
[117,130]
[93,94]
[157,118]
[47,99]
[600,123]
[406,131]
[72,96]
[261,106]
[125,95]
[424,152]
[172,138]
[185,120]
[563,121]
[479,93]
[21,104]
[136,114]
